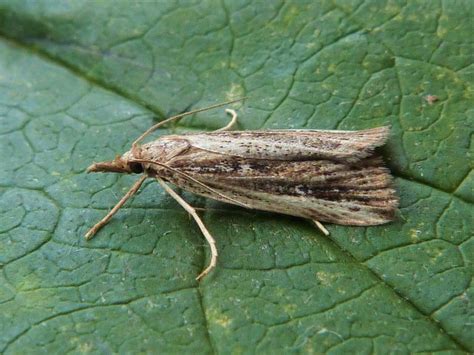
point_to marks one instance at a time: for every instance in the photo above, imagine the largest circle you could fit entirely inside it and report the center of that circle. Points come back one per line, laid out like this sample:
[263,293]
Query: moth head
[119,165]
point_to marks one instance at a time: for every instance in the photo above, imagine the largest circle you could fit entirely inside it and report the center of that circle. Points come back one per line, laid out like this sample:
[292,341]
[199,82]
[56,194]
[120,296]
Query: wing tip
[377,136]
[374,216]
[368,140]
[375,200]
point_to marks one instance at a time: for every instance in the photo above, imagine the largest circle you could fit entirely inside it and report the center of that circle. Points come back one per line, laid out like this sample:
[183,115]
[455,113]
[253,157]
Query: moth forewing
[329,176]
[345,146]
[323,190]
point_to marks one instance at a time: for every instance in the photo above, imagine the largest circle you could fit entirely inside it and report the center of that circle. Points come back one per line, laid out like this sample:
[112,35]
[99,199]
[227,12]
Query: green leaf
[79,81]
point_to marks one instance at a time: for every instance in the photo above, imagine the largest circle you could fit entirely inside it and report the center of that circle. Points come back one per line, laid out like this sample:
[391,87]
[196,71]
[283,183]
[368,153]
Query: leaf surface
[79,81]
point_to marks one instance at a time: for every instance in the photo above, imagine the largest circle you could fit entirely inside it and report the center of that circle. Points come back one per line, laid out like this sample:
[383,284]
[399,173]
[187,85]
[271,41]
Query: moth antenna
[154,127]
[133,190]
[192,179]
[232,122]
[207,235]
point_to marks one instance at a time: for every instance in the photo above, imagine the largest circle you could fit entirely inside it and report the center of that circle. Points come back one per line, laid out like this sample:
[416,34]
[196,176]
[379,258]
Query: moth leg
[133,190]
[321,227]
[207,235]
[232,122]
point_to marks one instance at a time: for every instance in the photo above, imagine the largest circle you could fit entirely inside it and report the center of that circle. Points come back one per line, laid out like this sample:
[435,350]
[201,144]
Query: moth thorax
[164,149]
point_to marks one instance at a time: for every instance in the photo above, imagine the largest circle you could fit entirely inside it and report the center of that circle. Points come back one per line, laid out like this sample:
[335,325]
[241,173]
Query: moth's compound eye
[136,168]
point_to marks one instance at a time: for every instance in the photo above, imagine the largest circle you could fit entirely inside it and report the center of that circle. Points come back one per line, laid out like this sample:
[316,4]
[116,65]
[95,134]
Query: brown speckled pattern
[330,176]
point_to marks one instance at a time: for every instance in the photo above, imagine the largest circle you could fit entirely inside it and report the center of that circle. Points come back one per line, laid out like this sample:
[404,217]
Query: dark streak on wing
[331,191]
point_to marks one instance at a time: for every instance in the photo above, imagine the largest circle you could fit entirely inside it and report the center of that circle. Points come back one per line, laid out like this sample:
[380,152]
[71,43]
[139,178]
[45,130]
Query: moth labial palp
[323,175]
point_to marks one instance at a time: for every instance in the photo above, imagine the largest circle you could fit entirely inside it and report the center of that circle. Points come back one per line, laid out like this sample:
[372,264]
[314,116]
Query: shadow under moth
[322,175]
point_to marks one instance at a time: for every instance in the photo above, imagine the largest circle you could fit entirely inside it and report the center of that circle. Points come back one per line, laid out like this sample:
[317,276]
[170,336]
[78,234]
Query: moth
[323,175]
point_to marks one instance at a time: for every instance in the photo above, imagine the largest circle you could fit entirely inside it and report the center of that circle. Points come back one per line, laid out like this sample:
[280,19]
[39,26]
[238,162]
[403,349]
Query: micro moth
[323,175]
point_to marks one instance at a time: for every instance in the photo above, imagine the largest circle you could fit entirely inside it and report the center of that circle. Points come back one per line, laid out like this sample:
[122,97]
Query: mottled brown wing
[348,146]
[329,191]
